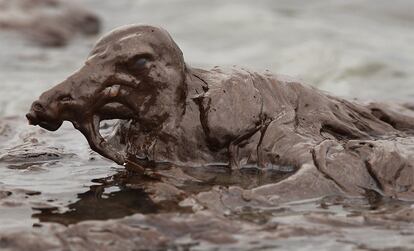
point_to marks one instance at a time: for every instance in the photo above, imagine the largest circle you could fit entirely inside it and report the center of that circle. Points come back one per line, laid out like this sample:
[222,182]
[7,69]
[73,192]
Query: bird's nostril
[38,107]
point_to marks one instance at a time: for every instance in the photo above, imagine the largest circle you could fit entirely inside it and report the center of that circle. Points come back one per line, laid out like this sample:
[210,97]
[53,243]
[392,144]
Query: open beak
[90,129]
[105,106]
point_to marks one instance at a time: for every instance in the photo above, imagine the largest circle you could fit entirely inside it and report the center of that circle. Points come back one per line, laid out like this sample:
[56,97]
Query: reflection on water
[126,193]
[100,204]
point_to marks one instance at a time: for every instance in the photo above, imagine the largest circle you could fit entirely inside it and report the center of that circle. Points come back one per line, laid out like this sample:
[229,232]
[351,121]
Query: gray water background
[353,48]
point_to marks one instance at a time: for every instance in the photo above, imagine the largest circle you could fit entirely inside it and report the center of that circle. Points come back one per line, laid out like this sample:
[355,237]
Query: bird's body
[174,113]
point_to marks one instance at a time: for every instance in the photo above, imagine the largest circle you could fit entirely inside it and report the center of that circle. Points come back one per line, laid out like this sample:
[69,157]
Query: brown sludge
[171,112]
[47,22]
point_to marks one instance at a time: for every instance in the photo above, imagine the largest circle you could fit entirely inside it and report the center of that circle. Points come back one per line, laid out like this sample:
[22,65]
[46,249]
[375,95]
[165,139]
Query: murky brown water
[52,184]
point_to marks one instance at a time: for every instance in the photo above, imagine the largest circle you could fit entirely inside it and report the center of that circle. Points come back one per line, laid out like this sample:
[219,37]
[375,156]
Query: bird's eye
[140,63]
